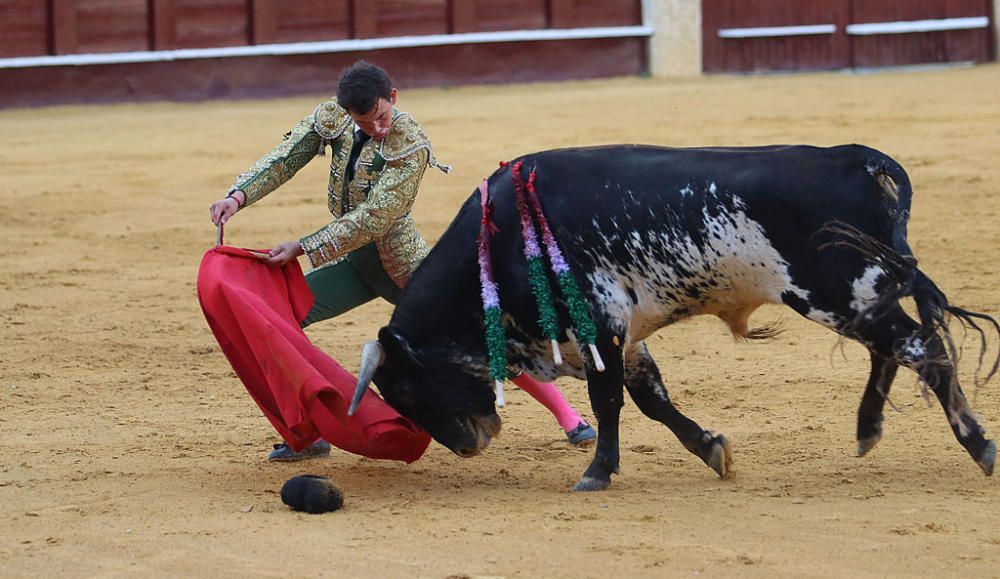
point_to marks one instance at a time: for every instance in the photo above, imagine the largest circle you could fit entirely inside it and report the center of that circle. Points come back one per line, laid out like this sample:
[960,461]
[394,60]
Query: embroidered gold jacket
[374,206]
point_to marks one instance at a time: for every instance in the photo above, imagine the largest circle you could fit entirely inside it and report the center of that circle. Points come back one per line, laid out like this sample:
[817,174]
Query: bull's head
[437,393]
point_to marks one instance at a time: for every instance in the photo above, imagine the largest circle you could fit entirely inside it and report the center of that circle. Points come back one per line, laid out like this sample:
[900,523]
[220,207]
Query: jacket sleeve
[390,199]
[308,139]
[278,166]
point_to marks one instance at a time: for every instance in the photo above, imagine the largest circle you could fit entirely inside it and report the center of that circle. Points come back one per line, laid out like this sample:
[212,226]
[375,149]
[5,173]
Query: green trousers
[356,280]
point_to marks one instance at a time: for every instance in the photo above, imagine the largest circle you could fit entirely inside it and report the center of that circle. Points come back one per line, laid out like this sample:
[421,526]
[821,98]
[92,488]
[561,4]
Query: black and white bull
[657,235]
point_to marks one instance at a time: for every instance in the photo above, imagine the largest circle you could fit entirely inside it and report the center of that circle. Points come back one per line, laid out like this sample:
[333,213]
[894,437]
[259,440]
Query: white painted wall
[675,47]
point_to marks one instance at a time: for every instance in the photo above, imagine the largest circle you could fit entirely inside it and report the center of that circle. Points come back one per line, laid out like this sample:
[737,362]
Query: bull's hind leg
[606,399]
[895,336]
[870,411]
[645,386]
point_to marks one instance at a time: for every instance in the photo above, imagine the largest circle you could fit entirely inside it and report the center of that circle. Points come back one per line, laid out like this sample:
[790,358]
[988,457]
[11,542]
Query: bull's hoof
[868,443]
[987,458]
[587,483]
[720,457]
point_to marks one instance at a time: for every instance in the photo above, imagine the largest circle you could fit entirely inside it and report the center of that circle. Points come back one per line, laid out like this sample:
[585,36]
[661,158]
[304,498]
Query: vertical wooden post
[684,36]
[363,23]
[995,26]
[263,21]
[461,16]
[162,24]
[844,42]
[62,27]
[559,13]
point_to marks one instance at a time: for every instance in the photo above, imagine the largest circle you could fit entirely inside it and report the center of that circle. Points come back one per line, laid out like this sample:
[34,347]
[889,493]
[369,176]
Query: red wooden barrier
[80,27]
[764,35]
[311,21]
[50,27]
[920,47]
[24,28]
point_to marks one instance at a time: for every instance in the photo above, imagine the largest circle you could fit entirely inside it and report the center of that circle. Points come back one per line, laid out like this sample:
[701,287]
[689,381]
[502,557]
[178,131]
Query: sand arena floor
[130,448]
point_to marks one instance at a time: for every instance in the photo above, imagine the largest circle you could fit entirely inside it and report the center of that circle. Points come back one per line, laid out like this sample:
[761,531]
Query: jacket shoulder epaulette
[405,138]
[330,120]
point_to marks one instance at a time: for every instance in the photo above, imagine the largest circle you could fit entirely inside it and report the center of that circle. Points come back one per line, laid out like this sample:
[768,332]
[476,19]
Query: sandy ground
[130,448]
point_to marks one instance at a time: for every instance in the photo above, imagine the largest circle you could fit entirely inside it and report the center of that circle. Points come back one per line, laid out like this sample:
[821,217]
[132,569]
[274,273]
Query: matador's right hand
[226,207]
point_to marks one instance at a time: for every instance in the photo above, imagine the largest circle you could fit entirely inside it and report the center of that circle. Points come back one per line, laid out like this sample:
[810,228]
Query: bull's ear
[397,348]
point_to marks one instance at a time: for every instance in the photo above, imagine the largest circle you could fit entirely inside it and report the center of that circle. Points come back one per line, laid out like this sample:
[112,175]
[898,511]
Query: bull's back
[790,190]
[659,234]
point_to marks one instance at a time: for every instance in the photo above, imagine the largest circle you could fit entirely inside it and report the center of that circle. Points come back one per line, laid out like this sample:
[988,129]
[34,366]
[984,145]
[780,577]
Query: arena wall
[784,35]
[67,51]
[56,51]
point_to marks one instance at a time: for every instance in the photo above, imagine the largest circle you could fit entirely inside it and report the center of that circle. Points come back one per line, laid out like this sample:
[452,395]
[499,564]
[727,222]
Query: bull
[656,235]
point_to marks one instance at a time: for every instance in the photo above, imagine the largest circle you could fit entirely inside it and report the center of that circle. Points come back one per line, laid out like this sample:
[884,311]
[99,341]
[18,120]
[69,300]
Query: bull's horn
[372,356]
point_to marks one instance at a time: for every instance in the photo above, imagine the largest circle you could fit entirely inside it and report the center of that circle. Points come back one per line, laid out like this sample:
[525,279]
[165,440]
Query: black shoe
[284,453]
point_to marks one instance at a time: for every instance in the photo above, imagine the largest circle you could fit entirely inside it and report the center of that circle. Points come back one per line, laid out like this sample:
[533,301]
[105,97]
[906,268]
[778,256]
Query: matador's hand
[283,253]
[226,207]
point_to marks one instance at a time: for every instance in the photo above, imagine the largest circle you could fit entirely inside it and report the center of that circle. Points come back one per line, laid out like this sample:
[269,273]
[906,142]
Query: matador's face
[376,122]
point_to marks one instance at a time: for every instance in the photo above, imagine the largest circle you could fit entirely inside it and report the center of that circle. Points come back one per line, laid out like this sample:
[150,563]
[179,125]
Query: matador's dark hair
[361,85]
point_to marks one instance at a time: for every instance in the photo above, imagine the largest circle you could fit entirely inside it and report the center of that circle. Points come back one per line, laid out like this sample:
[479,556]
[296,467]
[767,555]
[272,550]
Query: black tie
[360,138]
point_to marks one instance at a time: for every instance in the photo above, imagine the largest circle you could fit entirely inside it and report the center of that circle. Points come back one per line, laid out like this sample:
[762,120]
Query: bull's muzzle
[485,428]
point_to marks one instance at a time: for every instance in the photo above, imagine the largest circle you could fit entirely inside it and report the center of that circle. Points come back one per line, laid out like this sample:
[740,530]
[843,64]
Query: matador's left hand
[283,253]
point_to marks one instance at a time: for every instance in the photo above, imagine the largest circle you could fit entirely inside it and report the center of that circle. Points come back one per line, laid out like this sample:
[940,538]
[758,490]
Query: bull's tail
[905,278]
[933,309]
[932,305]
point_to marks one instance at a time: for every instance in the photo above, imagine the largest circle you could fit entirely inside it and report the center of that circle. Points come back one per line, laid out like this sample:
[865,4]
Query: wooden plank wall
[405,17]
[497,15]
[52,27]
[839,49]
[303,21]
[204,23]
[111,26]
[921,47]
[66,27]
[24,28]
[807,52]
[580,13]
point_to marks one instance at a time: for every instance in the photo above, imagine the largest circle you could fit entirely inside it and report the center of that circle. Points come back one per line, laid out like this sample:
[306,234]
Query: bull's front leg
[642,378]
[606,391]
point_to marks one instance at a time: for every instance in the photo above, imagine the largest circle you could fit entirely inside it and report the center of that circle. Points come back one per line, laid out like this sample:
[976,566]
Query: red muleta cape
[255,311]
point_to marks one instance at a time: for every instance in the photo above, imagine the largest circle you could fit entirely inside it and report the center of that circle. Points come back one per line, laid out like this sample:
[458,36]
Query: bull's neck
[441,304]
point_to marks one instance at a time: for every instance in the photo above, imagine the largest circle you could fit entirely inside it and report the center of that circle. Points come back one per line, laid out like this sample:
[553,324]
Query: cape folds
[254,312]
